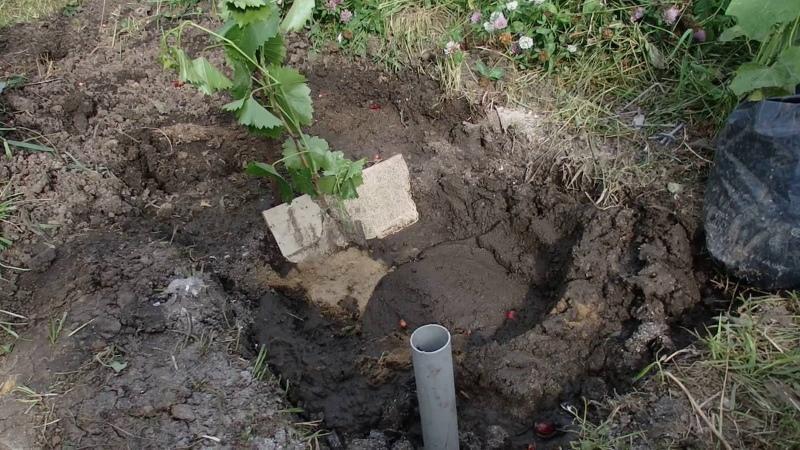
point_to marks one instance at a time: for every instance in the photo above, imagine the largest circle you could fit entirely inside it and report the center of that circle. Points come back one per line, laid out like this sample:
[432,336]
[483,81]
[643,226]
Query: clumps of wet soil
[147,187]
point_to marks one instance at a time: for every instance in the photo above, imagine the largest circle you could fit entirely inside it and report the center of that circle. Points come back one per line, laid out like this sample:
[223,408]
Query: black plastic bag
[752,202]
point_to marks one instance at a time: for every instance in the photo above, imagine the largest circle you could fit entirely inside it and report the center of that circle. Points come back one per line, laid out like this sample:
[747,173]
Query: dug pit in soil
[547,297]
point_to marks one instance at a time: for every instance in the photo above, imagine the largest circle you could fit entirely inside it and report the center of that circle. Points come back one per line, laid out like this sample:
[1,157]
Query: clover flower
[637,14]
[346,16]
[475,17]
[451,47]
[512,6]
[525,42]
[671,14]
[498,21]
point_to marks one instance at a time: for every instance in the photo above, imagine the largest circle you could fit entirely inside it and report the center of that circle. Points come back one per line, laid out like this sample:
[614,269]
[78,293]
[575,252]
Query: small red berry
[374,106]
[531,447]
[544,429]
[511,314]
[178,83]
[403,324]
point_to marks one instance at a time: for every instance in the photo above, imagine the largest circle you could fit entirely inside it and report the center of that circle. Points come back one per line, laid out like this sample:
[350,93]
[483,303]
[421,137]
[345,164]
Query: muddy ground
[147,188]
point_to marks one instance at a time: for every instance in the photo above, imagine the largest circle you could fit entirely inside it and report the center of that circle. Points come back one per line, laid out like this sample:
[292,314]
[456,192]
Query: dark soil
[147,188]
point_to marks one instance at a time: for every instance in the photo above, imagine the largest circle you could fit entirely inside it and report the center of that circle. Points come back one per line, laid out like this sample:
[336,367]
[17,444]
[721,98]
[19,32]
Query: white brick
[302,229]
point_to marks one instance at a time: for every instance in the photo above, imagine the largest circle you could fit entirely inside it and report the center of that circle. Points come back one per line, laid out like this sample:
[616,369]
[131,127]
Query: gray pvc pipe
[436,392]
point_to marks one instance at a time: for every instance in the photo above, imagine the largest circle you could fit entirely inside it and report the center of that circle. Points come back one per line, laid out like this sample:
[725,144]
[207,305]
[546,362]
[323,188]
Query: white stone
[384,206]
[302,229]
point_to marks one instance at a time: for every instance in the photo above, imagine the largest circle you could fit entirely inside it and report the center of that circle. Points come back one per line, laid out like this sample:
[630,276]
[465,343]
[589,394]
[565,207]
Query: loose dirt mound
[147,187]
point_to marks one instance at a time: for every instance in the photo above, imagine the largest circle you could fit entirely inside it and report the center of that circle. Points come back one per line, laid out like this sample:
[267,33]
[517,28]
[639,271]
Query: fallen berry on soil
[374,106]
[178,83]
[544,429]
[531,446]
[403,324]
[511,314]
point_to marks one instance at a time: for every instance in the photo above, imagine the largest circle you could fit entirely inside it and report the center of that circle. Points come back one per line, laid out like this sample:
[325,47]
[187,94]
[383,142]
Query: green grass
[54,328]
[18,11]
[8,206]
[598,436]
[740,383]
[260,367]
[758,352]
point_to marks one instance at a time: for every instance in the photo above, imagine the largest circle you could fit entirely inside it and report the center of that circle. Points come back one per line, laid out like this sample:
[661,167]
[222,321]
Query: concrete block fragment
[303,229]
[384,206]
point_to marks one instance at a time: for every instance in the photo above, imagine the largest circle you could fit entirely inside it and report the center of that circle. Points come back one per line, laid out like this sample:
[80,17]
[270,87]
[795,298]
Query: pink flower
[671,14]
[637,14]
[332,4]
[451,47]
[699,35]
[498,21]
[475,17]
[346,16]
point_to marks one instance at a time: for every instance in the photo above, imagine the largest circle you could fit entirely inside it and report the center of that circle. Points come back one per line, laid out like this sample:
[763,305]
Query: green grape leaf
[274,51]
[756,18]
[200,73]
[790,59]
[272,133]
[234,106]
[327,184]
[242,78]
[251,37]
[208,78]
[356,168]
[297,16]
[185,66]
[752,76]
[226,27]
[269,171]
[319,154]
[302,181]
[780,78]
[247,16]
[250,112]
[291,155]
[348,188]
[293,95]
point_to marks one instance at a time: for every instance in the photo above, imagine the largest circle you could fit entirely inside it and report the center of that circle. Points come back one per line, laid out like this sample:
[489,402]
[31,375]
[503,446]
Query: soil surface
[151,282]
